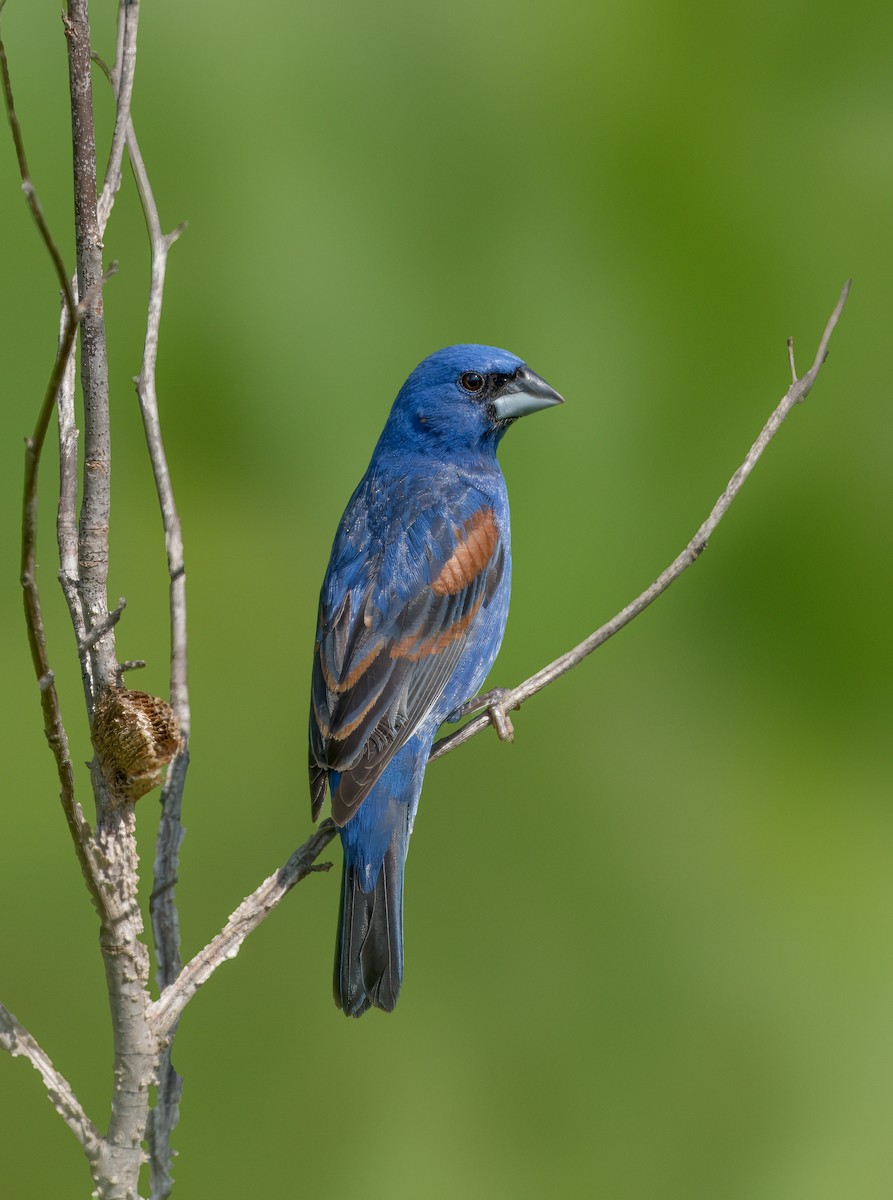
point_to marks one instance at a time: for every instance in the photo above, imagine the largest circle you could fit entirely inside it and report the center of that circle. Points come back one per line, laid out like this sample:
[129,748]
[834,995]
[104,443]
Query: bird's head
[463,398]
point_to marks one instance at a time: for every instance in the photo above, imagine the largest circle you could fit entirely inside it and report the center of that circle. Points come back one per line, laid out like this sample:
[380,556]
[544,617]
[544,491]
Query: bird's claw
[501,721]
[494,703]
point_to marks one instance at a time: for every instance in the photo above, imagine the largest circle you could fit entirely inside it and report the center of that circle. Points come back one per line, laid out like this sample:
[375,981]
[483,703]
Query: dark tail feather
[369,951]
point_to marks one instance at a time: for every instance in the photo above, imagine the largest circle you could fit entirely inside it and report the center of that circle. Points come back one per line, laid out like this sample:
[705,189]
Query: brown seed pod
[134,735]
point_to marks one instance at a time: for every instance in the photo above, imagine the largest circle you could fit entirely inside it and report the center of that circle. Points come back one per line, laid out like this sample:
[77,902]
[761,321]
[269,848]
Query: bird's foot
[494,702]
[500,720]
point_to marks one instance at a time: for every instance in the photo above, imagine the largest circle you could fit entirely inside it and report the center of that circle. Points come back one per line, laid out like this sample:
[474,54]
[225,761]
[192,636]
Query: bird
[412,612]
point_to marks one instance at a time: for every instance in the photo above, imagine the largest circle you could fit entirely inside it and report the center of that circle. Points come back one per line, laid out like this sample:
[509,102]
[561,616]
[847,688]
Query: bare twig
[166,1010]
[170,835]
[17,1041]
[102,628]
[28,186]
[66,513]
[164,916]
[57,737]
[121,77]
[162,904]
[119,1157]
[53,724]
[796,393]
[122,81]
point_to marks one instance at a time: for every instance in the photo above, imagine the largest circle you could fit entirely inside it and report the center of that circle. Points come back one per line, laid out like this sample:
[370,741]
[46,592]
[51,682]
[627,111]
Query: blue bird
[411,615]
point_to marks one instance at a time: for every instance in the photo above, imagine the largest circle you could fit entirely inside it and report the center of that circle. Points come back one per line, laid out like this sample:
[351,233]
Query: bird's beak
[526,392]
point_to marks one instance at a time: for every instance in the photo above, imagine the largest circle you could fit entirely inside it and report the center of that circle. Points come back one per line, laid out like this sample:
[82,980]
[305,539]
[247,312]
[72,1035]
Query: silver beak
[526,392]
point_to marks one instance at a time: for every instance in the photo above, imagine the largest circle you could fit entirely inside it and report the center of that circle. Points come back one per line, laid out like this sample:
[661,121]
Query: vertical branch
[54,728]
[170,834]
[66,513]
[164,1116]
[52,714]
[66,519]
[165,925]
[125,68]
[120,1155]
[93,554]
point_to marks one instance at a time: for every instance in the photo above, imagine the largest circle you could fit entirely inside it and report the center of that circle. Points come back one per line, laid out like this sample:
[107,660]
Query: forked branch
[256,907]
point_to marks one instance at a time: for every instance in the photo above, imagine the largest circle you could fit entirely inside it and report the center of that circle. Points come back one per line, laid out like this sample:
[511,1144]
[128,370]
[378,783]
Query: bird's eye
[472,381]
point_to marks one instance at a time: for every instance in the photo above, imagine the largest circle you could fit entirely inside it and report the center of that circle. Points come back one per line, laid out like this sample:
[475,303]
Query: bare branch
[166,1010]
[796,393]
[66,513]
[170,834]
[53,724]
[121,78]
[120,1155]
[28,186]
[162,905]
[122,81]
[95,505]
[17,1041]
[102,628]
[57,737]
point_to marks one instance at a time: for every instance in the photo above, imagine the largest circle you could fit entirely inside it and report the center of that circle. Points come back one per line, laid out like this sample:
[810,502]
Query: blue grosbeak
[411,615]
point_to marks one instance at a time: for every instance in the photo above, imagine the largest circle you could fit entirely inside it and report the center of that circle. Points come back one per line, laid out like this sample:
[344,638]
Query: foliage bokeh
[648,946]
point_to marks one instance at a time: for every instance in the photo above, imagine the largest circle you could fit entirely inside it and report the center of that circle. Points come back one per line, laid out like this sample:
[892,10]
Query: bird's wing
[396,610]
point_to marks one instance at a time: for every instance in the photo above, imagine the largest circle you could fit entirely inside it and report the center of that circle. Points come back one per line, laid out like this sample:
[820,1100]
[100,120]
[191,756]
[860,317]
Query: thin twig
[166,1010]
[81,833]
[162,904]
[17,1041]
[101,629]
[122,82]
[54,727]
[66,513]
[796,393]
[28,186]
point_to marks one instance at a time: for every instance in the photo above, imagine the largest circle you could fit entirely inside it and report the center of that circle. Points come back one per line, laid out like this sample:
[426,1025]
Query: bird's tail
[369,951]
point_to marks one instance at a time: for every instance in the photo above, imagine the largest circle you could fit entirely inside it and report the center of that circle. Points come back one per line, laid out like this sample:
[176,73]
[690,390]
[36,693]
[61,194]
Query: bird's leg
[493,702]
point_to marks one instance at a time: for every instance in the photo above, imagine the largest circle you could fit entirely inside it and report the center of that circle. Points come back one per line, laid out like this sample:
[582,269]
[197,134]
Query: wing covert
[385,652]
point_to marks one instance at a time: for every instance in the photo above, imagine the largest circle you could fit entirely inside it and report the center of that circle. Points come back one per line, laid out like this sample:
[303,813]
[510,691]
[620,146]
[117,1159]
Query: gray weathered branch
[166,1010]
[119,1155]
[515,697]
[28,186]
[93,529]
[66,518]
[54,727]
[162,903]
[17,1041]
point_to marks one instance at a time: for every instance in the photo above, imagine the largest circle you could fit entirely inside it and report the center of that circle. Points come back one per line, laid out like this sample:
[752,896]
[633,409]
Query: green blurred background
[649,945]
